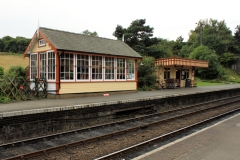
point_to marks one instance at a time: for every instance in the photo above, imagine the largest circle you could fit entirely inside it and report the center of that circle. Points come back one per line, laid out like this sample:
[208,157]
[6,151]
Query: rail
[16,143]
[65,146]
[134,147]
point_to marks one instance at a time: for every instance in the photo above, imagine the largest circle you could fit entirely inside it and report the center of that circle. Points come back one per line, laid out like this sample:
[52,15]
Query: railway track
[141,122]
[120,154]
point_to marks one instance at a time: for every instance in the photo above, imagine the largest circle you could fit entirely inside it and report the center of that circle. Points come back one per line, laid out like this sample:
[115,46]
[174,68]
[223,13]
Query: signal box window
[42,42]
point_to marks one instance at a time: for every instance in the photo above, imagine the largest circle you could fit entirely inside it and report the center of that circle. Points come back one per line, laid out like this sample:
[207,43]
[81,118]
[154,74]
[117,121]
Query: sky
[169,18]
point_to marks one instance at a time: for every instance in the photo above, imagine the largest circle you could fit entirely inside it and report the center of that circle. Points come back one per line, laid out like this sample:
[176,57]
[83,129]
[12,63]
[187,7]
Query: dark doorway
[178,72]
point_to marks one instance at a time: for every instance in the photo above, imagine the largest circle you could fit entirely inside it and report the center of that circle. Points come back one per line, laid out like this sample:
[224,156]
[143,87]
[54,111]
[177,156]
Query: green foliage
[227,59]
[202,53]
[215,81]
[14,45]
[147,88]
[232,76]
[178,46]
[21,44]
[1,71]
[137,36]
[10,45]
[146,71]
[186,50]
[229,77]
[222,73]
[214,70]
[216,35]
[144,88]
[190,45]
[87,32]
[207,83]
[237,34]
[161,50]
[119,31]
[1,45]
[235,48]
[4,99]
[16,71]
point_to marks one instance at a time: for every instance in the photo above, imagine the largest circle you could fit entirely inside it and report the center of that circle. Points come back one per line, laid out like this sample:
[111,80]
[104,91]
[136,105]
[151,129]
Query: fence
[20,88]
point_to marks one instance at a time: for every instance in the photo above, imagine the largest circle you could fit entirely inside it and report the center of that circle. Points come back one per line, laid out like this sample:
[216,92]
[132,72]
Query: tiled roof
[63,40]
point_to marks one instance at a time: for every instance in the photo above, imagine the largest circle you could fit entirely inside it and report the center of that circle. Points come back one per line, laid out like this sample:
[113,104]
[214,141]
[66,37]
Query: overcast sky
[169,18]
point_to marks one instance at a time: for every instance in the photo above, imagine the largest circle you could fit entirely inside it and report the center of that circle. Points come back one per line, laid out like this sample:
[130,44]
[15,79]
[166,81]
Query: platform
[218,142]
[52,105]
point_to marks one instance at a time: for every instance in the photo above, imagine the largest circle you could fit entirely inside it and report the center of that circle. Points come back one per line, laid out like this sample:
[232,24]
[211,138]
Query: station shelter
[175,72]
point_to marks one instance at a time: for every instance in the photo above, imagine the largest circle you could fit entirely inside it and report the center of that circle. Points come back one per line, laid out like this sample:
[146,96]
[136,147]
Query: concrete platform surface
[218,142]
[51,105]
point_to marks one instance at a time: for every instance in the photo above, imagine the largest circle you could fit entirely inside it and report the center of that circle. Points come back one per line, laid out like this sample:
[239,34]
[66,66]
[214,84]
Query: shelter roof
[175,61]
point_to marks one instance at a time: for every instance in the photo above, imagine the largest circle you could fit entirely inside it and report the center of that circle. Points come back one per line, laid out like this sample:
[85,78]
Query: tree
[178,46]
[87,32]
[137,36]
[1,45]
[216,35]
[14,45]
[9,44]
[214,70]
[189,46]
[21,44]
[236,47]
[237,35]
[145,72]
[161,50]
[119,32]
[227,59]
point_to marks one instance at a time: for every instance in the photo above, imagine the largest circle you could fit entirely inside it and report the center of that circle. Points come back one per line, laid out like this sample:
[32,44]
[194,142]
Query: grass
[8,60]
[232,77]
[209,84]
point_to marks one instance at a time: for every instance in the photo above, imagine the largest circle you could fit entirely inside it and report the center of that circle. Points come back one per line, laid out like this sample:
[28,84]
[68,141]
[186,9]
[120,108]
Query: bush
[238,81]
[1,71]
[145,73]
[4,99]
[144,88]
[17,71]
[147,88]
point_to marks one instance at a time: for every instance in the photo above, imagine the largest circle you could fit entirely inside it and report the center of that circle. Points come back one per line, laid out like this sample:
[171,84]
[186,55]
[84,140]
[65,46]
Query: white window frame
[112,69]
[123,72]
[130,69]
[65,72]
[99,63]
[43,65]
[51,65]
[76,62]
[42,42]
[36,66]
